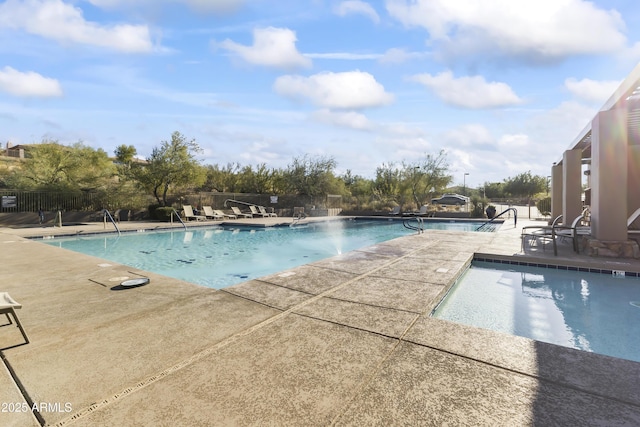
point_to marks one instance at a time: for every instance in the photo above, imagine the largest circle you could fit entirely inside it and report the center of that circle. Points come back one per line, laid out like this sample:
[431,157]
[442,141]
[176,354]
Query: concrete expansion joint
[232,339]
[23,391]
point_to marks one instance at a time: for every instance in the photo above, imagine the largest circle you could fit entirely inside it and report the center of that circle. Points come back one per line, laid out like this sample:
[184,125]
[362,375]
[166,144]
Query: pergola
[609,147]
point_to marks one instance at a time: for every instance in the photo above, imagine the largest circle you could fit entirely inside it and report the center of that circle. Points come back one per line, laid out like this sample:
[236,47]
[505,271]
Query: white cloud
[541,30]
[65,23]
[28,84]
[397,56]
[357,7]
[348,56]
[346,119]
[469,135]
[216,6]
[514,141]
[346,90]
[272,47]
[468,92]
[592,90]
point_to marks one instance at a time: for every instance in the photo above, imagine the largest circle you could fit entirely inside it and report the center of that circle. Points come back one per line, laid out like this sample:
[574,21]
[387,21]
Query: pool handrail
[107,214]
[419,228]
[515,218]
[175,212]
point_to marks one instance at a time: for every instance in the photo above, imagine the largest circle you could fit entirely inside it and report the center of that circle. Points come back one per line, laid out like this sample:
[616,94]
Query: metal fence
[32,201]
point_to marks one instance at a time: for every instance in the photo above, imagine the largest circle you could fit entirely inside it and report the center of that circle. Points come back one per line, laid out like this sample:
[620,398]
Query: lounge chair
[255,212]
[239,213]
[209,213]
[189,215]
[264,212]
[9,306]
[421,212]
[224,215]
[395,210]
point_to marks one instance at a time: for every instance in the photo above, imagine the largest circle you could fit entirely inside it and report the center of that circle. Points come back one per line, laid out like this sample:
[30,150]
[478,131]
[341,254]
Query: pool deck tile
[357,262]
[588,372]
[14,409]
[429,270]
[349,342]
[380,320]
[268,294]
[399,294]
[424,386]
[310,279]
[294,371]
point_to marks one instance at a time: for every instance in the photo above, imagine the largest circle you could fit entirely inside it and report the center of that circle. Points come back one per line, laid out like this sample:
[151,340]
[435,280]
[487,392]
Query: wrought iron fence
[32,201]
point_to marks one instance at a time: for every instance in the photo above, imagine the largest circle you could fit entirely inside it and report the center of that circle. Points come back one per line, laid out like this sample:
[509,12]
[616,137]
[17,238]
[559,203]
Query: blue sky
[503,86]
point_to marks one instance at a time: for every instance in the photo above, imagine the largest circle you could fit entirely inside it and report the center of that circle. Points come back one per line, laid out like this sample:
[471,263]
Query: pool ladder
[107,214]
[419,228]
[515,218]
[174,212]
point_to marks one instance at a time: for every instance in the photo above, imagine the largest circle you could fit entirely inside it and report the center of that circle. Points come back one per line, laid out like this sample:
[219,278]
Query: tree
[125,154]
[424,178]
[256,181]
[170,166]
[386,186]
[221,179]
[525,185]
[52,166]
[312,176]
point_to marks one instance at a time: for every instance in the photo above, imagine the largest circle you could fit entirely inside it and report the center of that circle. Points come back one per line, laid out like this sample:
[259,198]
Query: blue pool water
[218,257]
[587,311]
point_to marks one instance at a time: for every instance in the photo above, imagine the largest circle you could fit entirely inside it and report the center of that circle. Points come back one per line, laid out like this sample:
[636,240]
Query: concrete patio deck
[342,341]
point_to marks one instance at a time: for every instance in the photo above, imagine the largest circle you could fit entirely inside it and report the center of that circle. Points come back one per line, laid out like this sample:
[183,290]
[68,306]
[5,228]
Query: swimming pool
[588,311]
[217,256]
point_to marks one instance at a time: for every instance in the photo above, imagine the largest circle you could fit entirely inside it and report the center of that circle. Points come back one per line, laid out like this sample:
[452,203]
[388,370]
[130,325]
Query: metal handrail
[238,201]
[175,212]
[419,228]
[515,218]
[107,214]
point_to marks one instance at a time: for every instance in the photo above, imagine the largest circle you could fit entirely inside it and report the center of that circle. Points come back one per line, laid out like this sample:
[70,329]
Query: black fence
[32,201]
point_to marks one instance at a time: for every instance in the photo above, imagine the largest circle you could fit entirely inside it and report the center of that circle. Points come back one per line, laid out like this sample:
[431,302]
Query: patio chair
[236,210]
[543,233]
[264,212]
[189,215]
[631,231]
[395,210]
[255,212]
[224,215]
[8,306]
[572,232]
[209,213]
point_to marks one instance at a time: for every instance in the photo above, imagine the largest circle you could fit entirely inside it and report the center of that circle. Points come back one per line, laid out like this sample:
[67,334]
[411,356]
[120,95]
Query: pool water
[217,257]
[588,311]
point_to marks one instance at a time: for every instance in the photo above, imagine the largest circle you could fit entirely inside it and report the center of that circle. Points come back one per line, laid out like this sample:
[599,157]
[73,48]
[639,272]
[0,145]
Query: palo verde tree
[170,166]
[525,185]
[312,176]
[423,178]
[53,166]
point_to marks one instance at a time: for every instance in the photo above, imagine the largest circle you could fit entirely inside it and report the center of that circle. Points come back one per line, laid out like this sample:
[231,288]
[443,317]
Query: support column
[556,190]
[609,166]
[571,185]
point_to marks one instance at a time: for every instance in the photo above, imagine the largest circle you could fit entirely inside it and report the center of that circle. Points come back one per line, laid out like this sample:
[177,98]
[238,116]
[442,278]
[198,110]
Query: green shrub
[544,206]
[163,213]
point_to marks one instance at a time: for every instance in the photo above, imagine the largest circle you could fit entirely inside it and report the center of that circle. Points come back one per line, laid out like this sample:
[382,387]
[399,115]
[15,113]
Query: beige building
[607,154]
